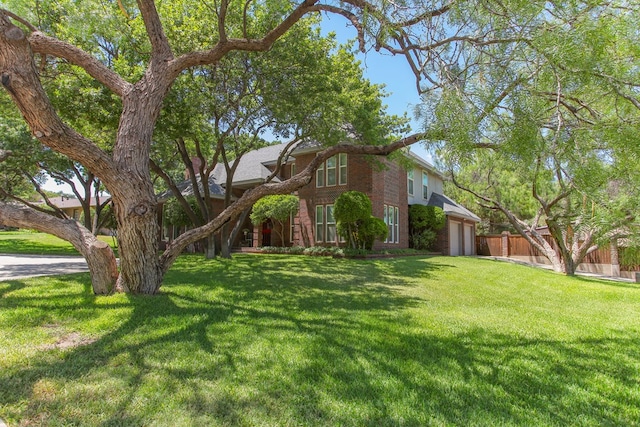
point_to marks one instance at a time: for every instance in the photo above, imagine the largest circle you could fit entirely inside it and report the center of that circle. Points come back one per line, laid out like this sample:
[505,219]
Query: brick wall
[384,186]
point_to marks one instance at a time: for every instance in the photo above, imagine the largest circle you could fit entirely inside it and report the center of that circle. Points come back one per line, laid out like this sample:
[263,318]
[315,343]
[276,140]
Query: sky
[379,68]
[383,68]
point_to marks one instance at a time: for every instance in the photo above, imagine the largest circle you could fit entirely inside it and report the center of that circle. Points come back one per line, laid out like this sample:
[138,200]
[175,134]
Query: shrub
[423,240]
[423,217]
[372,229]
[355,224]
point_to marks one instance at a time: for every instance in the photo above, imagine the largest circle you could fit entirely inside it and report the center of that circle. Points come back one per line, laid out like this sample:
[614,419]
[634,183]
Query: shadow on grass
[275,340]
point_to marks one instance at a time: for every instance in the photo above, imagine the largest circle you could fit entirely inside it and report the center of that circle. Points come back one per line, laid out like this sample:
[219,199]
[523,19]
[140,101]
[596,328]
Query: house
[391,187]
[71,206]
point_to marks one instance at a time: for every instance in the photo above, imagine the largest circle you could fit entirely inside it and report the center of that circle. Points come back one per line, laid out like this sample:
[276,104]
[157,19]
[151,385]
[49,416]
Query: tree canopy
[480,64]
[544,129]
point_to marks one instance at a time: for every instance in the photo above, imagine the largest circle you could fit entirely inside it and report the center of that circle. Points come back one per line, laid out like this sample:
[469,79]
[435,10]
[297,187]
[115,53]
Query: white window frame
[410,182]
[320,178]
[342,166]
[331,232]
[425,185]
[396,221]
[391,218]
[319,220]
[332,171]
[385,218]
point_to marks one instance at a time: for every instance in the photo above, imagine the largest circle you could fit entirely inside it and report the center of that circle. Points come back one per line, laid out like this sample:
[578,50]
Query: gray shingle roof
[252,167]
[451,208]
[186,189]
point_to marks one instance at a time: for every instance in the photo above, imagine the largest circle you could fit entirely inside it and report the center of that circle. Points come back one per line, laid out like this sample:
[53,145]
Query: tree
[279,208]
[217,114]
[542,114]
[137,63]
[140,89]
[354,222]
[424,224]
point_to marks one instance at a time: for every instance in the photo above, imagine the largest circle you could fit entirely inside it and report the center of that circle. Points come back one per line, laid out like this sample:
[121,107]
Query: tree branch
[155,32]
[251,45]
[285,187]
[45,45]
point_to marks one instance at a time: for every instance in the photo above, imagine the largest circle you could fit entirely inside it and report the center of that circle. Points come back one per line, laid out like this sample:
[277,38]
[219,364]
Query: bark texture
[99,256]
[125,173]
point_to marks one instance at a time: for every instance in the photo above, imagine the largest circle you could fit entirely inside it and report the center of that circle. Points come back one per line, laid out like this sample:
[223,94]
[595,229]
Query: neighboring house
[71,206]
[391,188]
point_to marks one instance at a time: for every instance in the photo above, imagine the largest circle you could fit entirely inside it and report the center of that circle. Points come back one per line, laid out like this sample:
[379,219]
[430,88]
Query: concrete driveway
[21,266]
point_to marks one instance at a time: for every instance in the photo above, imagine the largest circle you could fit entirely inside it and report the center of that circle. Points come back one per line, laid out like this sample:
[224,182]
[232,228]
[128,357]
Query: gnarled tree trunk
[98,254]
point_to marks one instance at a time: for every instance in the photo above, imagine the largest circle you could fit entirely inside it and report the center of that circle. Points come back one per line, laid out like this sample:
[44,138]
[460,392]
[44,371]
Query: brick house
[390,186]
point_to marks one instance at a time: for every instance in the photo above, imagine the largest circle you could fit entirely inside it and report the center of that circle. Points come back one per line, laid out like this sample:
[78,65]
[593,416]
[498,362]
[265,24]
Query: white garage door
[468,239]
[455,238]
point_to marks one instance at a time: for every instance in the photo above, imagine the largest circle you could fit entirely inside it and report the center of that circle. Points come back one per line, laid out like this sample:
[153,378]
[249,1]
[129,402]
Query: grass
[303,341]
[33,243]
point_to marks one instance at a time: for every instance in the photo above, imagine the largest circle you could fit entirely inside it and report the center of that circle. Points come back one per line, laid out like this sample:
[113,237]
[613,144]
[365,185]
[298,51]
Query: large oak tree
[140,89]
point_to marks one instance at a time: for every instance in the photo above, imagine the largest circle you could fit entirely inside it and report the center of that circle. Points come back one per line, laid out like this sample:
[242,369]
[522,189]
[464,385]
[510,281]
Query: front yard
[293,340]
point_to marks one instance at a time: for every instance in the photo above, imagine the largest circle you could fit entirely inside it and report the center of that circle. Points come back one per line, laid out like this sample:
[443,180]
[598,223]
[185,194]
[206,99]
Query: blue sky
[392,71]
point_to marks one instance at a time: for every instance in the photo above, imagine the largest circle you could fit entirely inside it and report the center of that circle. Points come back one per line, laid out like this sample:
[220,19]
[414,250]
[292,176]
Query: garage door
[455,238]
[468,239]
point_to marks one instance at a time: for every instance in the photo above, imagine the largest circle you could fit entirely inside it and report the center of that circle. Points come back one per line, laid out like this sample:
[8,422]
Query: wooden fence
[516,246]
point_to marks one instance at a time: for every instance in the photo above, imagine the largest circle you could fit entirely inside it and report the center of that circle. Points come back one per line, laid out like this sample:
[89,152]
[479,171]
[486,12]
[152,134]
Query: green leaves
[277,207]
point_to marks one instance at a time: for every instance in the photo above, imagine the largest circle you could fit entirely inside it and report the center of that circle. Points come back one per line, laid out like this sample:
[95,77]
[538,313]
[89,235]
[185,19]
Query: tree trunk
[225,244]
[98,254]
[210,247]
[138,231]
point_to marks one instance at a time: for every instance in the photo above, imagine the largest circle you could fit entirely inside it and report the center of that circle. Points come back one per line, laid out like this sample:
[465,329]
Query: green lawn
[303,341]
[33,243]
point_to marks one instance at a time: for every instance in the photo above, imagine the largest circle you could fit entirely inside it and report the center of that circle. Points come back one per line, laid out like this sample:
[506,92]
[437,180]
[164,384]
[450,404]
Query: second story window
[410,182]
[425,186]
[320,176]
[332,172]
[342,165]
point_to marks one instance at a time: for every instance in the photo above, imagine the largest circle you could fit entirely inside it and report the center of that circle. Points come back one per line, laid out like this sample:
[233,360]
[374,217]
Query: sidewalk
[548,267]
[21,266]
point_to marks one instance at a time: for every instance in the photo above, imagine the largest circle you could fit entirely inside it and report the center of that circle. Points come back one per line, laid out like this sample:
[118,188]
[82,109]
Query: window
[325,224]
[342,166]
[397,224]
[410,182]
[332,172]
[331,225]
[319,223]
[391,217]
[293,169]
[425,185]
[320,176]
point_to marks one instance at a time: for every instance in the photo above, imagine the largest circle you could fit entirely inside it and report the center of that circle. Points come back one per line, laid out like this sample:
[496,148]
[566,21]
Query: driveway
[21,266]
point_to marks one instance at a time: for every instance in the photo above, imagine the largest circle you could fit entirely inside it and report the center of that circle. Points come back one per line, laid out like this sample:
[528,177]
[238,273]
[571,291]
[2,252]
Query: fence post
[504,244]
[615,260]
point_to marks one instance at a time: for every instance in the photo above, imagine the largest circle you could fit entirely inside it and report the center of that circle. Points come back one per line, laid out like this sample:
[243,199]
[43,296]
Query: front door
[266,233]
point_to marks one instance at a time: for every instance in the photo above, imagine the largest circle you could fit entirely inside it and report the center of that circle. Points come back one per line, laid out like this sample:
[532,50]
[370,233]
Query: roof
[423,163]
[251,169]
[186,189]
[66,202]
[451,208]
